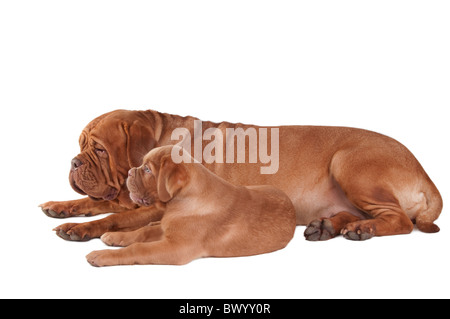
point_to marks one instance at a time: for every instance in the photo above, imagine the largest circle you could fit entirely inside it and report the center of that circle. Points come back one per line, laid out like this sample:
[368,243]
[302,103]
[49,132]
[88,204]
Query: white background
[379,65]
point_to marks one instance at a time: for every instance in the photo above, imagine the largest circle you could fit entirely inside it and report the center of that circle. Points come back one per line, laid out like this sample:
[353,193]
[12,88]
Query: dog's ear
[171,178]
[140,141]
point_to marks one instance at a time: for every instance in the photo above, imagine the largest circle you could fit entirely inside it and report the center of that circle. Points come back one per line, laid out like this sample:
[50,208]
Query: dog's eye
[100,151]
[147,170]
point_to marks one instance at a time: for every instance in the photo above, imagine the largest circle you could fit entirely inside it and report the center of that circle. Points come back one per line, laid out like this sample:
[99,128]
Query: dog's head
[158,178]
[110,145]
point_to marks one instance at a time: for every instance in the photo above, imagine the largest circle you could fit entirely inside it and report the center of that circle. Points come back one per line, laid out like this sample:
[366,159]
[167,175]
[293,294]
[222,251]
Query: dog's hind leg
[327,228]
[374,181]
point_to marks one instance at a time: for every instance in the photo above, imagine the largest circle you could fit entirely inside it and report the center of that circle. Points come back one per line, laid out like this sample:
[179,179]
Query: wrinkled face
[108,150]
[91,172]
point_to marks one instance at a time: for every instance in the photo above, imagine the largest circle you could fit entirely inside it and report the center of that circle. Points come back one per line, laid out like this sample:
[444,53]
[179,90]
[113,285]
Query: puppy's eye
[147,170]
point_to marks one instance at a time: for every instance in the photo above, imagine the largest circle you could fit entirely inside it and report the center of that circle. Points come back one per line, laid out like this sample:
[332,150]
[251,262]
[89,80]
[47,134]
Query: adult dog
[341,180]
[204,216]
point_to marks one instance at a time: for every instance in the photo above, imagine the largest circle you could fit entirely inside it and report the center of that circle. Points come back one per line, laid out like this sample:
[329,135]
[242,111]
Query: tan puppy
[204,216]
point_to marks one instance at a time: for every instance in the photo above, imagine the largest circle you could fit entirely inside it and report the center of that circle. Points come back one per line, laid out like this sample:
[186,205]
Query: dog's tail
[425,219]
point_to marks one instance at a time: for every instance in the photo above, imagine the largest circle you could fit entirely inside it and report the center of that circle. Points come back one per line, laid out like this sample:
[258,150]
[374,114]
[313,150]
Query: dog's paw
[74,231]
[320,229]
[60,209]
[358,231]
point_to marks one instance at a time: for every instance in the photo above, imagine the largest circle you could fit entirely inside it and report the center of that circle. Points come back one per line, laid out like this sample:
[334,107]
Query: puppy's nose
[76,163]
[131,172]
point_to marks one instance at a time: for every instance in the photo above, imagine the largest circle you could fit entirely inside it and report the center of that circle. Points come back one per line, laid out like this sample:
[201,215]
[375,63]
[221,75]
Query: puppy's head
[158,178]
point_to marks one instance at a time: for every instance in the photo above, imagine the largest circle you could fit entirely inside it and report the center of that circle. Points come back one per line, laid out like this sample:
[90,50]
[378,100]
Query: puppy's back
[277,211]
[264,221]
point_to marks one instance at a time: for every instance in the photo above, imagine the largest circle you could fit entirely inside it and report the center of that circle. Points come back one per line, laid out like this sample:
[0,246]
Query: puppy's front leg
[161,252]
[149,233]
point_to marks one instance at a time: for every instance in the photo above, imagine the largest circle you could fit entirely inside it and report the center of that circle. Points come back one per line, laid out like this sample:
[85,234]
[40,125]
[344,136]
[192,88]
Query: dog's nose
[76,163]
[131,172]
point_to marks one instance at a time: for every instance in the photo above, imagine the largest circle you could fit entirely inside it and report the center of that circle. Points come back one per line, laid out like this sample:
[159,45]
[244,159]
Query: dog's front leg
[126,221]
[80,207]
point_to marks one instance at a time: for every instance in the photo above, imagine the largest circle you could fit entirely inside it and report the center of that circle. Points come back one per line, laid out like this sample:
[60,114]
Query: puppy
[205,216]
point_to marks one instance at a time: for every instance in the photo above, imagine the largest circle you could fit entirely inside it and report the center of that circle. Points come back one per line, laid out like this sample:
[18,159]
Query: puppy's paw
[117,239]
[320,229]
[101,258]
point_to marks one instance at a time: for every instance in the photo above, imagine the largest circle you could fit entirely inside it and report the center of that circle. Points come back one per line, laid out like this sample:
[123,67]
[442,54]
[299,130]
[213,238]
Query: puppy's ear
[171,178]
[140,141]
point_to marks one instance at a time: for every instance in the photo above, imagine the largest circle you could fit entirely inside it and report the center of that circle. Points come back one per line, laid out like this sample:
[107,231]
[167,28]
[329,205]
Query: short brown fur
[324,170]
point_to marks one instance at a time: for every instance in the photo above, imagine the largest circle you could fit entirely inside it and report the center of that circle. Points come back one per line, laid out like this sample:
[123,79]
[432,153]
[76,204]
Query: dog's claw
[51,213]
[72,232]
[357,233]
[319,230]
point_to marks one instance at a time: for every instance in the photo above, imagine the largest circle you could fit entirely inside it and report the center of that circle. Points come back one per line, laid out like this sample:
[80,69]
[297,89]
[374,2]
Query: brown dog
[340,180]
[204,216]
